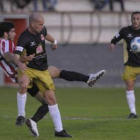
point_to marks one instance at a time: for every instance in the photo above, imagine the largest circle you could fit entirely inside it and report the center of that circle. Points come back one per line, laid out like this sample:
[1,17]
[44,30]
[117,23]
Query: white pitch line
[79,118]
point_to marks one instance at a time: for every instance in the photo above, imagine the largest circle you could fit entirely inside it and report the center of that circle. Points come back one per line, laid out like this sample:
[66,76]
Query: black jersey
[33,44]
[128,33]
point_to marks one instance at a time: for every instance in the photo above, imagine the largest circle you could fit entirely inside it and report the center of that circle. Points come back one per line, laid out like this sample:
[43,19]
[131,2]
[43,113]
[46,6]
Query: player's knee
[129,87]
[23,86]
[51,99]
[54,71]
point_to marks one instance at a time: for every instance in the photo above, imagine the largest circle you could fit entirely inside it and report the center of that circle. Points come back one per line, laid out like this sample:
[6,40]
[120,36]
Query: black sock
[41,112]
[73,76]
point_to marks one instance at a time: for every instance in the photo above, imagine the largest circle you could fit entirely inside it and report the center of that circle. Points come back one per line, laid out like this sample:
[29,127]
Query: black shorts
[33,90]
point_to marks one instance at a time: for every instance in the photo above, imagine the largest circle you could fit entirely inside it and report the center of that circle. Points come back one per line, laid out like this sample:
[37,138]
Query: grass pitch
[87,113]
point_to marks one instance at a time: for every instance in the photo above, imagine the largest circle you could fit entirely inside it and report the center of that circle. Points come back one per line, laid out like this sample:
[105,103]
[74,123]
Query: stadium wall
[88,59]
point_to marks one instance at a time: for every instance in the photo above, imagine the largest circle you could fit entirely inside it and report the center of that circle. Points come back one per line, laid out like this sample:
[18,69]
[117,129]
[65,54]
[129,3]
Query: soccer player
[132,63]
[7,31]
[33,41]
[10,70]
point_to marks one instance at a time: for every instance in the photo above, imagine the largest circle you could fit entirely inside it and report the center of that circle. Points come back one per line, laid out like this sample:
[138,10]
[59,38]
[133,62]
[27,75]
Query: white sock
[130,96]
[21,102]
[56,117]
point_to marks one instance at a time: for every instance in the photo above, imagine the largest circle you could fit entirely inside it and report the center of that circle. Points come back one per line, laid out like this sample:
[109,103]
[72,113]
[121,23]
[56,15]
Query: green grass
[88,114]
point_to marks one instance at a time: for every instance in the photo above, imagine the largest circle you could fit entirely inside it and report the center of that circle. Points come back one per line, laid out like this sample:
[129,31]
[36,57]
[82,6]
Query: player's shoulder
[2,40]
[24,36]
[44,31]
[24,33]
[2,43]
[7,45]
[126,28]
[6,41]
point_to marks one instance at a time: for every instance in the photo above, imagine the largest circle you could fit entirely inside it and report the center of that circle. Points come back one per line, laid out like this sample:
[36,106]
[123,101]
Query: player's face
[39,25]
[11,34]
[135,19]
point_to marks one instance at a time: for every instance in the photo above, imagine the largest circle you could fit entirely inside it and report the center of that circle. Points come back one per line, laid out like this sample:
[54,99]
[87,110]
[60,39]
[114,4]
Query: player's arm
[52,40]
[112,46]
[10,57]
[116,39]
[7,53]
[20,50]
[25,58]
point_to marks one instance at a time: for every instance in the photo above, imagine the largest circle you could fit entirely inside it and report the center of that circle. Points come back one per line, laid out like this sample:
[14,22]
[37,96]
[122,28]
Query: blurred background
[83,29]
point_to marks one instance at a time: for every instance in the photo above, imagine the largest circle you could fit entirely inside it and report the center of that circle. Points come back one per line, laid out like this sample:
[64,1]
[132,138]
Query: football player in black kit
[132,64]
[33,41]
[7,32]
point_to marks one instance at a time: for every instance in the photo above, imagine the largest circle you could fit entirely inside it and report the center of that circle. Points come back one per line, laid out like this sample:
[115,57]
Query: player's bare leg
[55,114]
[21,99]
[75,76]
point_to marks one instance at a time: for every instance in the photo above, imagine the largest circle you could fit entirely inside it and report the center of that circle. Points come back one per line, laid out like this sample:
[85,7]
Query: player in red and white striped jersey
[8,68]
[8,61]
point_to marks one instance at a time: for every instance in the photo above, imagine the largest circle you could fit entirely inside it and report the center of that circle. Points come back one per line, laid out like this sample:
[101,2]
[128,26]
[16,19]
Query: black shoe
[20,120]
[62,133]
[132,116]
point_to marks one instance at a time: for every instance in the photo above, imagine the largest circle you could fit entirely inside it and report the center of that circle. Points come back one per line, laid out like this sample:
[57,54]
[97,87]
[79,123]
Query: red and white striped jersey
[8,68]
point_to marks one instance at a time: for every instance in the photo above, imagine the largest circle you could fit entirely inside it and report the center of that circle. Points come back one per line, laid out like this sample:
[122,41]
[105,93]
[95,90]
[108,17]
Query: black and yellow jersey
[128,34]
[33,44]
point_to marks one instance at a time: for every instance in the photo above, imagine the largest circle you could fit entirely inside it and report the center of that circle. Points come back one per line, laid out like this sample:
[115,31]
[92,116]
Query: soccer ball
[135,45]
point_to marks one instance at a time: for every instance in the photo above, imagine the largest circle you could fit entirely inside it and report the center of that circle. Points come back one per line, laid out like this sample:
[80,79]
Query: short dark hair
[133,13]
[5,26]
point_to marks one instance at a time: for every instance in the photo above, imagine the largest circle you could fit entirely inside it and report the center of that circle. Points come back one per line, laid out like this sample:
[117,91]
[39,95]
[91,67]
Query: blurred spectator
[112,7]
[35,3]
[52,4]
[20,4]
[2,6]
[99,4]
[47,4]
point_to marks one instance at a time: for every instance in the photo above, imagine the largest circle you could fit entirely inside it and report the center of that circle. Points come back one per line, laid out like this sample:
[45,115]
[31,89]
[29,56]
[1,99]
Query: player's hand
[22,66]
[30,57]
[54,47]
[112,46]
[26,58]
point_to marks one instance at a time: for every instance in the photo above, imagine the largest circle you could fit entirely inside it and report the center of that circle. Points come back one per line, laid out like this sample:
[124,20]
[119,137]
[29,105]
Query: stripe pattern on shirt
[8,68]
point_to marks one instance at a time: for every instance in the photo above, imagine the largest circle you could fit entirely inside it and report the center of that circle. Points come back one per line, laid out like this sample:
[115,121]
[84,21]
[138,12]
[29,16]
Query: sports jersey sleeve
[117,37]
[6,46]
[20,45]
